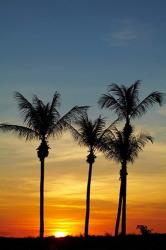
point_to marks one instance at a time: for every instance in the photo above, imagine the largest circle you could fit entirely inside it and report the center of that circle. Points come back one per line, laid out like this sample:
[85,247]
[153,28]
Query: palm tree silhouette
[125,102]
[42,121]
[116,149]
[90,134]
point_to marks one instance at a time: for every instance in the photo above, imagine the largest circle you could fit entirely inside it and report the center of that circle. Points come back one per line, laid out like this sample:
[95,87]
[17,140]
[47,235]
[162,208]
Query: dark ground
[131,242]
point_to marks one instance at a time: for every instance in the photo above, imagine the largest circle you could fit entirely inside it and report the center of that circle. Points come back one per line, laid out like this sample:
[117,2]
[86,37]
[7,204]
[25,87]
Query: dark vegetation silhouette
[144,229]
[91,134]
[130,242]
[42,121]
[126,104]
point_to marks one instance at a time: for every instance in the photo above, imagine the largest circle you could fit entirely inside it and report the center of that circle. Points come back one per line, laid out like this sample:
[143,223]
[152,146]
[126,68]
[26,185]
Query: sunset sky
[79,47]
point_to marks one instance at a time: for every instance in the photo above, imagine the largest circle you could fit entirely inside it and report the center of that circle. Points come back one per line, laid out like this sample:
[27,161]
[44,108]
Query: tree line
[41,121]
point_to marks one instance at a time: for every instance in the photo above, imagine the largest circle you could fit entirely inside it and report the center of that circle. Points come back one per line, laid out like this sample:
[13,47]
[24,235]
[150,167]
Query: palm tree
[90,134]
[115,148]
[41,121]
[125,102]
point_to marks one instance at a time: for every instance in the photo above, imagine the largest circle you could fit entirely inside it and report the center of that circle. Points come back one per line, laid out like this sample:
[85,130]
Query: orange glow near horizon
[65,191]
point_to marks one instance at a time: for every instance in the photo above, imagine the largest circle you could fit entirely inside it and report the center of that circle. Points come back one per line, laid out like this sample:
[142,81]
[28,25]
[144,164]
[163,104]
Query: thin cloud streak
[126,33]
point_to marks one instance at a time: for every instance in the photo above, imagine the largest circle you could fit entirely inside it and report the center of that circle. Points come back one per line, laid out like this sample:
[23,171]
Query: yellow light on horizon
[60,234]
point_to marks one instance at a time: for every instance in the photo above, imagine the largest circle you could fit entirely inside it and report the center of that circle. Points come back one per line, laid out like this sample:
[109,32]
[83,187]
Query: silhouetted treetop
[125,101]
[42,120]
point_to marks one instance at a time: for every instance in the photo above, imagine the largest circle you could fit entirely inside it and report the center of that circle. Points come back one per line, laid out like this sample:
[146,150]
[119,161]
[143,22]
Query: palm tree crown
[41,120]
[90,133]
[125,102]
[115,147]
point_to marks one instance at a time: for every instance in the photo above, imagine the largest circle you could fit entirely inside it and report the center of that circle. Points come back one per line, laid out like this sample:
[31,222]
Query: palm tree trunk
[124,187]
[119,211]
[42,199]
[86,232]
[127,132]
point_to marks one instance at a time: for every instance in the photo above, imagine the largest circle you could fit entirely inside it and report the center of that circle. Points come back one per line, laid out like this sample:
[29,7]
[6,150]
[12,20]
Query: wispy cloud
[123,33]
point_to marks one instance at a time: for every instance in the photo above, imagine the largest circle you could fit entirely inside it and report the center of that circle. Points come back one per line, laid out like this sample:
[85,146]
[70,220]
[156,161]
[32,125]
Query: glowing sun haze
[60,234]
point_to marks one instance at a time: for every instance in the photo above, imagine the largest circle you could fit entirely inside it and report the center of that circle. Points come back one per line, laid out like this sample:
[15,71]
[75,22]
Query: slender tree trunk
[127,132]
[42,199]
[86,232]
[124,187]
[119,211]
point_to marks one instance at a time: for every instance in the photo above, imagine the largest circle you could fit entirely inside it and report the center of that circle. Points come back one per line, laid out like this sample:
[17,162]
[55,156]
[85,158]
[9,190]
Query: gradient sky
[78,47]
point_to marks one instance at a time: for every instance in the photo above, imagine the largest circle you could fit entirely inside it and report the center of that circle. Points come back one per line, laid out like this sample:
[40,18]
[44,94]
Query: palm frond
[53,107]
[143,138]
[98,126]
[149,101]
[136,145]
[90,133]
[135,90]
[37,103]
[23,103]
[21,131]
[27,109]
[109,130]
[119,91]
[116,148]
[76,135]
[55,101]
[72,115]
[83,121]
[108,101]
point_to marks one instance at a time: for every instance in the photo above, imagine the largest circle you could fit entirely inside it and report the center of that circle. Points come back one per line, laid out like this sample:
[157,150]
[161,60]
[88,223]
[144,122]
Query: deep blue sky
[78,47]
